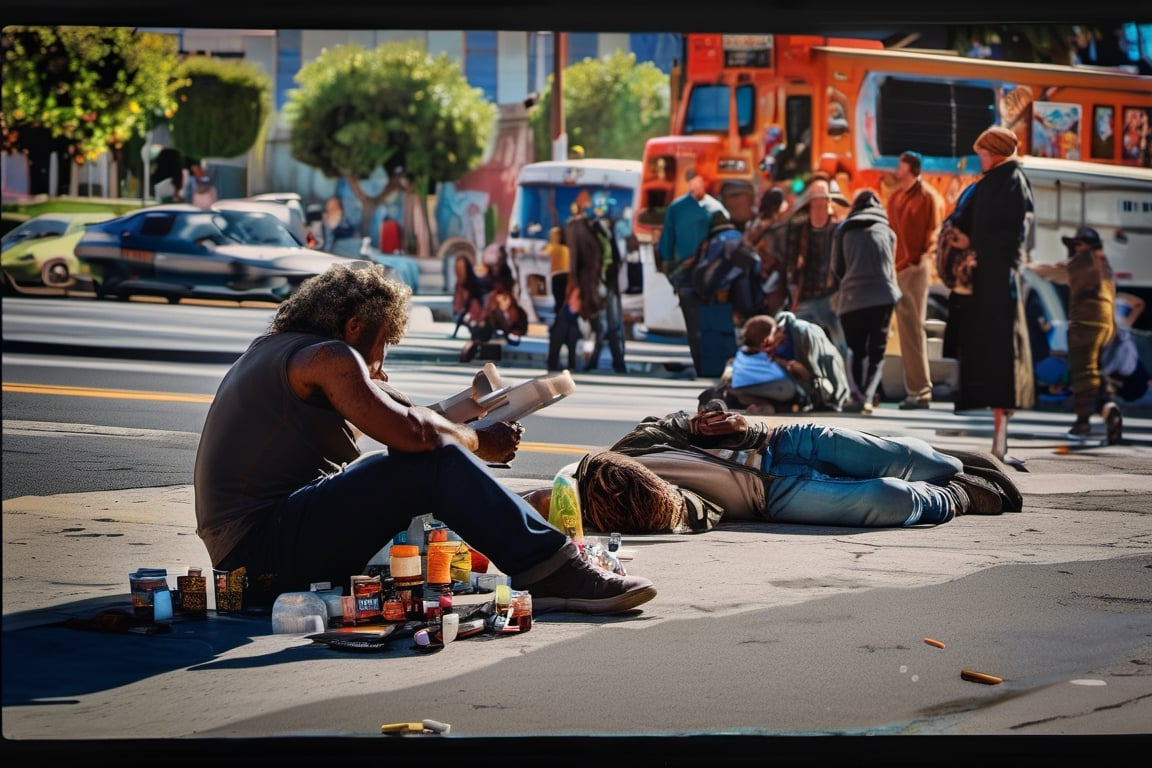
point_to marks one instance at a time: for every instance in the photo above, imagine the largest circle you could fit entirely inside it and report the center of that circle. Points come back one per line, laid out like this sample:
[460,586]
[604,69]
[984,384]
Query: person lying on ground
[685,472]
[283,490]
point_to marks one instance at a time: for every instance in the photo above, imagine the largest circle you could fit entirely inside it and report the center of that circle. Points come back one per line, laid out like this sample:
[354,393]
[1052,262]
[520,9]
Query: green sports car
[40,253]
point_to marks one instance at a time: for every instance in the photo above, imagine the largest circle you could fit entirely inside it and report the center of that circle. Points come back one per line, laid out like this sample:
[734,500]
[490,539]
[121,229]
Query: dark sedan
[180,251]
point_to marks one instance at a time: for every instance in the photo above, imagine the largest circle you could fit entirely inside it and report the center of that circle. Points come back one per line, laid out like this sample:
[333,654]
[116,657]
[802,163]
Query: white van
[1115,200]
[546,193]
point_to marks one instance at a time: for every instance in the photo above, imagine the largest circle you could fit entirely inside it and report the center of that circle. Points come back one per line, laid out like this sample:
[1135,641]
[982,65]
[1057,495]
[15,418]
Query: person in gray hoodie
[864,264]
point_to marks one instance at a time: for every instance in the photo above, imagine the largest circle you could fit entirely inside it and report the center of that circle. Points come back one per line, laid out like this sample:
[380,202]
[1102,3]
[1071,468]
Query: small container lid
[405,550]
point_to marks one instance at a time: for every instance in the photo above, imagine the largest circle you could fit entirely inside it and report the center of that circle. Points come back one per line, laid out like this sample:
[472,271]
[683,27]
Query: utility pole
[559,59]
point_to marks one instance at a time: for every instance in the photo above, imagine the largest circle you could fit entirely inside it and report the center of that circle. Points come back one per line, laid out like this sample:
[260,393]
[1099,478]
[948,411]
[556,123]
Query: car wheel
[55,274]
[173,299]
[107,293]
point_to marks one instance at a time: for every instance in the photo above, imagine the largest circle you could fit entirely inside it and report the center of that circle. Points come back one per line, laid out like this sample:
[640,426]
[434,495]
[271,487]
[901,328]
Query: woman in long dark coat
[993,349]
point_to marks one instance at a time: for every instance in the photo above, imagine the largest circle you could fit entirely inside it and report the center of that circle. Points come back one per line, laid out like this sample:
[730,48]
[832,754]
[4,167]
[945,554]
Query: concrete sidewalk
[1054,600]
[758,631]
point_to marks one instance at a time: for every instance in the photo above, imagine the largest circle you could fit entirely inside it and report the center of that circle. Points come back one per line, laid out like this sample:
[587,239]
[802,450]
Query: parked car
[40,253]
[286,206]
[179,251]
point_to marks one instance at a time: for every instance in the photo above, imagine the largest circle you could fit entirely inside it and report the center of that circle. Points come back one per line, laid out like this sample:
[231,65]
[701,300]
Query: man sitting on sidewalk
[282,488]
[684,472]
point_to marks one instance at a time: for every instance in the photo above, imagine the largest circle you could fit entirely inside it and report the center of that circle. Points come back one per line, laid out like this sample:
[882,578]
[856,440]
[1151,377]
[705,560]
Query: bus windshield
[543,206]
[707,110]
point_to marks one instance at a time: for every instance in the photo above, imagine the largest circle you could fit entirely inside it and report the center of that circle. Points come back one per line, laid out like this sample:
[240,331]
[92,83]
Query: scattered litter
[933,642]
[425,726]
[1087,681]
[980,677]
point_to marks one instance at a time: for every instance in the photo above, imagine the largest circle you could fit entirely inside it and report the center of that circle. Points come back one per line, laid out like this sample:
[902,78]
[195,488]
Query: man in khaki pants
[915,212]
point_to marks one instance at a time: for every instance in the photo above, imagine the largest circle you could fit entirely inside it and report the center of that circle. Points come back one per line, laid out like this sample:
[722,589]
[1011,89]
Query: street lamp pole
[559,59]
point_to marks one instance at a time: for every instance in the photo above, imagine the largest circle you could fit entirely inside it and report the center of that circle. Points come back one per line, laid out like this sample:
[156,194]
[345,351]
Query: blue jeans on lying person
[820,475]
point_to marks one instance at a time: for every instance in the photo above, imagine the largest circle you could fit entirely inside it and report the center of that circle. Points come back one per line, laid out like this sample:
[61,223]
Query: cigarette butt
[934,642]
[402,728]
[436,726]
[980,677]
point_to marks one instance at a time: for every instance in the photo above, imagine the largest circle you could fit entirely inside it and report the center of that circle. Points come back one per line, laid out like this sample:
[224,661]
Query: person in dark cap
[1091,325]
[992,343]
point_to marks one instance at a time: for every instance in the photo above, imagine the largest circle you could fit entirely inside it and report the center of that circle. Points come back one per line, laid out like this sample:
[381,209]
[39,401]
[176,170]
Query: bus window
[795,156]
[746,109]
[538,212]
[933,118]
[707,110]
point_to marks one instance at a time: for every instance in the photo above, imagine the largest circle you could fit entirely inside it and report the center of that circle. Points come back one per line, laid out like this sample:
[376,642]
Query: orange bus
[753,110]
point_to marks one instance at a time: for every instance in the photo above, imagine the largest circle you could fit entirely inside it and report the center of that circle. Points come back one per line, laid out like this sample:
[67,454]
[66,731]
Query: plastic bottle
[407,575]
[564,507]
[393,607]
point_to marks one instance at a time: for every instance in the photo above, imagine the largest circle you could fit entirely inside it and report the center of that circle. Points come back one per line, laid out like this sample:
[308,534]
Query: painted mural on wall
[1056,130]
[1137,137]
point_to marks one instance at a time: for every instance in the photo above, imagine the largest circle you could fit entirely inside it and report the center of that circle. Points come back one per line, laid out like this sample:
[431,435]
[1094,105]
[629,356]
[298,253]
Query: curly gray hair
[324,303]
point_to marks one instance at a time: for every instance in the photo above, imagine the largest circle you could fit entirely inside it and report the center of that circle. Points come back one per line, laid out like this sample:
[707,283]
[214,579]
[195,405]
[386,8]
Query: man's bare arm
[336,370]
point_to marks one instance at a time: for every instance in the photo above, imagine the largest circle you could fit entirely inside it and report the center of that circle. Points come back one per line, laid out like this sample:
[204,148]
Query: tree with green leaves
[84,90]
[612,106]
[394,107]
[224,107]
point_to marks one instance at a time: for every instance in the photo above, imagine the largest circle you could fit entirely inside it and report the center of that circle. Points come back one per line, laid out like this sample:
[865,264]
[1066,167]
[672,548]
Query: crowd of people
[858,268]
[283,490]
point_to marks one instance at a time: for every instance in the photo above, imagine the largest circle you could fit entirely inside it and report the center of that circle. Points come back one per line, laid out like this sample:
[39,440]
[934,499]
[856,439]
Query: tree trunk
[369,203]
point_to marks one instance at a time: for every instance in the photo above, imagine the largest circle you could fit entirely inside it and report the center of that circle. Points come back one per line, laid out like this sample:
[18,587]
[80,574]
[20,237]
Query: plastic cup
[143,584]
[299,613]
[450,626]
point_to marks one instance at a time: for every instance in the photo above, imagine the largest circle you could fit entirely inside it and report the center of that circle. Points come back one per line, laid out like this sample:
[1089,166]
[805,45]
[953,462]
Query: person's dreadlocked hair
[618,493]
[324,303]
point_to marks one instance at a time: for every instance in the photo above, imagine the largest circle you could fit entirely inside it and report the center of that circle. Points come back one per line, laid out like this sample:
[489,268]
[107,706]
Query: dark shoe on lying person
[987,467]
[580,587]
[984,498]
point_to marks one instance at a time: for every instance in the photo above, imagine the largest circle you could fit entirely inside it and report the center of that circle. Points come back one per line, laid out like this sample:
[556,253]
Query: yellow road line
[115,394]
[574,450]
[176,397]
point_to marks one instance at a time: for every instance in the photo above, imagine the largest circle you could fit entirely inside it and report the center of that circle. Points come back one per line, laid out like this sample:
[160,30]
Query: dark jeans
[330,529]
[690,309]
[565,332]
[608,324]
[866,333]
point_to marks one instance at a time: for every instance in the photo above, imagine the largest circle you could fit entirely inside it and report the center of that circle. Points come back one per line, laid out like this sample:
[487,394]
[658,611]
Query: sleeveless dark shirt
[261,442]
